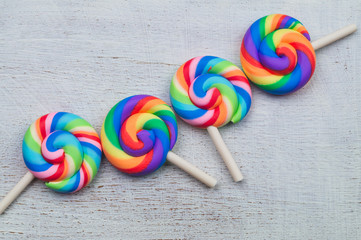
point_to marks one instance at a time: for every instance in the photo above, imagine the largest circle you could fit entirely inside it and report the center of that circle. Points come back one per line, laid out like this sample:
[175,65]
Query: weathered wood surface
[300,154]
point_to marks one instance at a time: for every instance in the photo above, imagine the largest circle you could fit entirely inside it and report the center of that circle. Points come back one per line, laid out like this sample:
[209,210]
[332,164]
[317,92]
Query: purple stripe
[277,64]
[156,159]
[284,22]
[250,46]
[306,69]
[147,137]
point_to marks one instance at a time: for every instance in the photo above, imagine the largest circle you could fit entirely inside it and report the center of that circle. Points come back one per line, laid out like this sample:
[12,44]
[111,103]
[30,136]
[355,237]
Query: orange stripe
[181,79]
[275,20]
[65,172]
[37,127]
[222,114]
[124,163]
[150,104]
[255,71]
[131,127]
[87,179]
[86,133]
[233,73]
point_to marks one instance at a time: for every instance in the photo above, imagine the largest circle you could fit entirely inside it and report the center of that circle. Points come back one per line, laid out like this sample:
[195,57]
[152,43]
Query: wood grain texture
[300,154]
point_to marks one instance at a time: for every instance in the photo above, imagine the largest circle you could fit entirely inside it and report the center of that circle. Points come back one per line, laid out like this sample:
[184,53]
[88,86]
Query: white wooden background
[300,154]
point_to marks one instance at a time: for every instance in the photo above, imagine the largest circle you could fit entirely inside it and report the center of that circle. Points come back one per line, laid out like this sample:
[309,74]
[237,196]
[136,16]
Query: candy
[277,55]
[209,92]
[61,149]
[138,134]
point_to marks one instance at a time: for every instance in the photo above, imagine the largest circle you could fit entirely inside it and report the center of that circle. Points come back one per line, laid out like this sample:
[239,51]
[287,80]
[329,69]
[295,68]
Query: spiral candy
[210,91]
[277,55]
[138,133]
[62,149]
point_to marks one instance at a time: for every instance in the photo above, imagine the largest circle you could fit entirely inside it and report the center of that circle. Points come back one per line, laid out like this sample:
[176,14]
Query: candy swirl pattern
[210,91]
[63,150]
[276,54]
[138,133]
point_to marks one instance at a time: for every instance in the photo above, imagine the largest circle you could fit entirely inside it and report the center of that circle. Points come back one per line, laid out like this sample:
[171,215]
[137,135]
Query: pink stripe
[243,85]
[43,175]
[200,102]
[48,121]
[50,155]
[81,181]
[193,68]
[91,141]
[201,120]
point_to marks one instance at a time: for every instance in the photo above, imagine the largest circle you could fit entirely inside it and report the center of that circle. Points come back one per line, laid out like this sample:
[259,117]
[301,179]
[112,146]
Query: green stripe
[57,185]
[177,95]
[156,124]
[110,130]
[76,123]
[220,67]
[31,143]
[277,84]
[92,164]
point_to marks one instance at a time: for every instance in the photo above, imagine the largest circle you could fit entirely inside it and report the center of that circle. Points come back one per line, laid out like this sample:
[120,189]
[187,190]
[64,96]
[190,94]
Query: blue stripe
[33,160]
[290,22]
[293,81]
[72,185]
[243,94]
[65,120]
[56,118]
[93,152]
[118,112]
[256,34]
[201,67]
[187,111]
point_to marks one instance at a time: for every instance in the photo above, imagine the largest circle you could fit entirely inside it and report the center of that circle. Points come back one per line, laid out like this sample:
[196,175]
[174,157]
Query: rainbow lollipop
[277,55]
[138,134]
[209,92]
[61,149]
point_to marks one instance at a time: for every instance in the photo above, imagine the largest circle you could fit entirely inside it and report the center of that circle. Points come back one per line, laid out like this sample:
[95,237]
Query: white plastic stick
[15,192]
[191,169]
[225,153]
[333,37]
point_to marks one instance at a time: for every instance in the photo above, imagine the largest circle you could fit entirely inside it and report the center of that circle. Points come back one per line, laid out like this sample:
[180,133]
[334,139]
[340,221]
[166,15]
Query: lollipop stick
[15,192]
[191,169]
[225,153]
[333,37]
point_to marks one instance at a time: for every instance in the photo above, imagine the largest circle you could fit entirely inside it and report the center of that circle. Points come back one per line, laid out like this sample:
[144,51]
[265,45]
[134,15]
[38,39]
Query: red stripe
[186,72]
[214,99]
[308,52]
[86,177]
[141,104]
[213,119]
[143,165]
[95,138]
[238,78]
[57,174]
[249,58]
[56,160]
[42,126]
[292,61]
[280,21]
[129,141]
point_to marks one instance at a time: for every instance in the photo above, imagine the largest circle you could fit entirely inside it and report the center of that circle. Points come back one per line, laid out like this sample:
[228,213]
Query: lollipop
[277,55]
[61,149]
[138,134]
[209,92]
